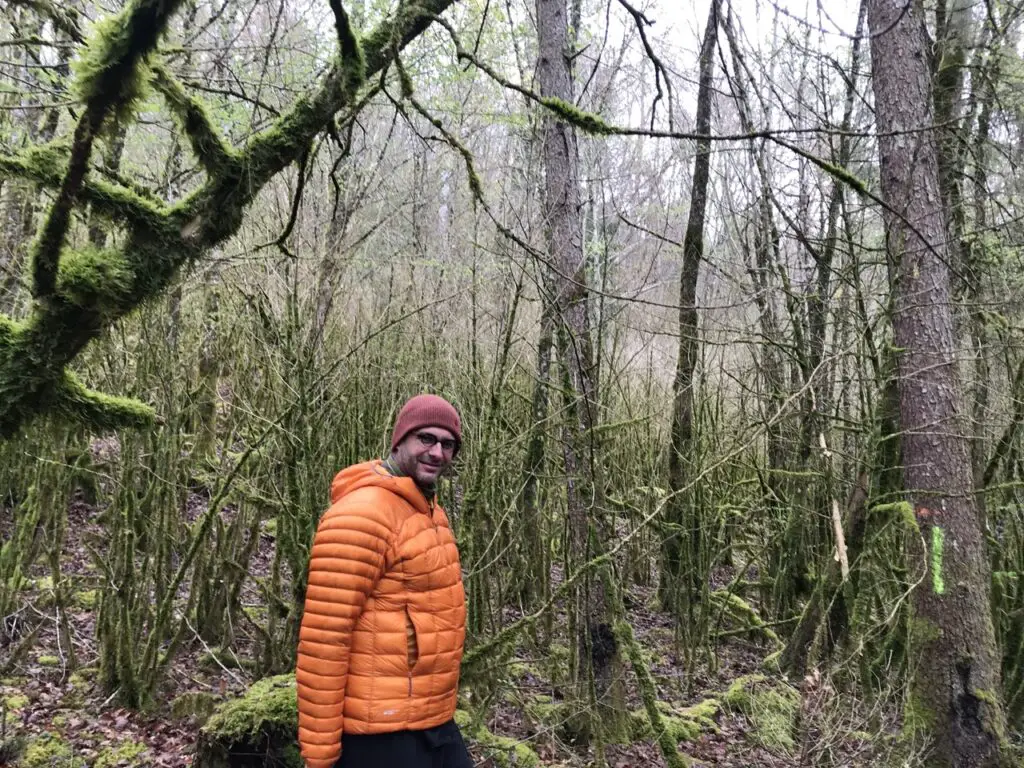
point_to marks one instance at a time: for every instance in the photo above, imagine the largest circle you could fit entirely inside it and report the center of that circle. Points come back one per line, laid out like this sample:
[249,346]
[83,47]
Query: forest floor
[60,716]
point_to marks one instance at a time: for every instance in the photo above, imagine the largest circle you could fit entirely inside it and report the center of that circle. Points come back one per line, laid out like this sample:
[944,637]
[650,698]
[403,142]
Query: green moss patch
[15,702]
[127,753]
[770,706]
[50,750]
[223,659]
[87,599]
[48,661]
[682,724]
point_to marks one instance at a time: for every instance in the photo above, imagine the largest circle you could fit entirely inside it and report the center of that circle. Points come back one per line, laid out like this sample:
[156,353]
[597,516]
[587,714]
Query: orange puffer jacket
[385,617]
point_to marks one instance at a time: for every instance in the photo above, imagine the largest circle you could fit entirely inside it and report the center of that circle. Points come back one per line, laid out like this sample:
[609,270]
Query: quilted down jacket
[385,615]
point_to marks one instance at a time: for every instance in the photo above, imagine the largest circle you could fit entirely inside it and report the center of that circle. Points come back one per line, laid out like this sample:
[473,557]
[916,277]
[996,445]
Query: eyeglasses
[428,440]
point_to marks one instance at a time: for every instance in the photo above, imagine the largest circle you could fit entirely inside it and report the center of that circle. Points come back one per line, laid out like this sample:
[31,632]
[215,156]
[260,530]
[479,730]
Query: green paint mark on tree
[938,542]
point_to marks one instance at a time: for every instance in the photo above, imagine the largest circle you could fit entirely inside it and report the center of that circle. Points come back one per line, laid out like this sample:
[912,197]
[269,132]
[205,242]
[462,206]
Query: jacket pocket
[412,644]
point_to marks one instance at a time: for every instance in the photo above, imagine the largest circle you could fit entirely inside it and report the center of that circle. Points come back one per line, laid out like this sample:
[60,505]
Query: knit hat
[426,411]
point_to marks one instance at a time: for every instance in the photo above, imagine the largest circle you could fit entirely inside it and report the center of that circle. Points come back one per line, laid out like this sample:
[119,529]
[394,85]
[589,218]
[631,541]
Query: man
[385,616]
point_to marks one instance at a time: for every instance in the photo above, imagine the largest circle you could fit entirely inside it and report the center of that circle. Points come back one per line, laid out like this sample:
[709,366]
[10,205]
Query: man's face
[425,454]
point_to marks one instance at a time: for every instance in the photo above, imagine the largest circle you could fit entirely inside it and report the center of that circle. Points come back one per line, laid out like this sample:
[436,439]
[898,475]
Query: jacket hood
[373,473]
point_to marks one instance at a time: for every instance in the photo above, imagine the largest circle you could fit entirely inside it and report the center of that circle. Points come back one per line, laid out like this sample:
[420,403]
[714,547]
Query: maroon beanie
[426,411]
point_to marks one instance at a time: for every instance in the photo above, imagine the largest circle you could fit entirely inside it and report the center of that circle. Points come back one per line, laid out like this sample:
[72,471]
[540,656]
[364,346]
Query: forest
[728,295]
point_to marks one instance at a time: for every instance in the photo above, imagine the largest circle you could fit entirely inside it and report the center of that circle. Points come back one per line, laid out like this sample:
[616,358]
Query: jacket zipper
[408,618]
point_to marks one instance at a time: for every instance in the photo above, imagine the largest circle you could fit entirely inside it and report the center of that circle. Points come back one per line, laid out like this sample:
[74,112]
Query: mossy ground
[501,750]
[770,705]
[50,750]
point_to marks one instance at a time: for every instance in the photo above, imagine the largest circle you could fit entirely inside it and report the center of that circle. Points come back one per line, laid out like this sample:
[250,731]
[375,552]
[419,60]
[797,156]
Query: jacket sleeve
[346,562]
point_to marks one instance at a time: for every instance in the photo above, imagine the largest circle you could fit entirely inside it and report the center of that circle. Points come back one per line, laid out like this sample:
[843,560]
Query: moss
[194,704]
[87,599]
[207,144]
[771,707]
[16,702]
[95,278]
[43,583]
[50,750]
[48,661]
[83,677]
[107,70]
[918,718]
[923,631]
[263,721]
[127,753]
[100,411]
[257,613]
[903,510]
[771,661]
[503,751]
[220,658]
[683,724]
[587,122]
[677,728]
[744,614]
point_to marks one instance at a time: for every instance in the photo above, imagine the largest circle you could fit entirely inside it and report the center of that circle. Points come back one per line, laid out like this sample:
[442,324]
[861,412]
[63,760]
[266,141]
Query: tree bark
[955,688]
[683,552]
[599,656]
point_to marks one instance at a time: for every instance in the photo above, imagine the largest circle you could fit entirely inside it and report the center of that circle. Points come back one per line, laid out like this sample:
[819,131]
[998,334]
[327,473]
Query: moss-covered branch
[207,144]
[648,692]
[107,80]
[44,166]
[87,291]
[65,19]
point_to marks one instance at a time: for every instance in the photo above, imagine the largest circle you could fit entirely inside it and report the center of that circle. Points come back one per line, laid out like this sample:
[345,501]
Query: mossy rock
[255,730]
[48,661]
[502,751]
[194,705]
[771,707]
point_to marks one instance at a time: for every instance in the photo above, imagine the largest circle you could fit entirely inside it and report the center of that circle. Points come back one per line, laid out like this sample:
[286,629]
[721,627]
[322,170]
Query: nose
[436,451]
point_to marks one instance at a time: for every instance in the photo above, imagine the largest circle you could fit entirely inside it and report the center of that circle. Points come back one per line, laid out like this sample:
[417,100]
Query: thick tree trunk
[956,686]
[598,655]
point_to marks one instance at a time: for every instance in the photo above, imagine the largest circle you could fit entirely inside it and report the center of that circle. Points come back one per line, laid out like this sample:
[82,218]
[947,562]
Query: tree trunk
[685,554]
[956,687]
[599,658]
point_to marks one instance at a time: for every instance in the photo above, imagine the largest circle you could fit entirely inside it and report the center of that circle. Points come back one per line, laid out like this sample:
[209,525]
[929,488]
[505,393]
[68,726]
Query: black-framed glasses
[428,440]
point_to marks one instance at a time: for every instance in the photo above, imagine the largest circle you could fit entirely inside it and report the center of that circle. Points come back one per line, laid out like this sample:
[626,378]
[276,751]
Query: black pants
[440,747]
